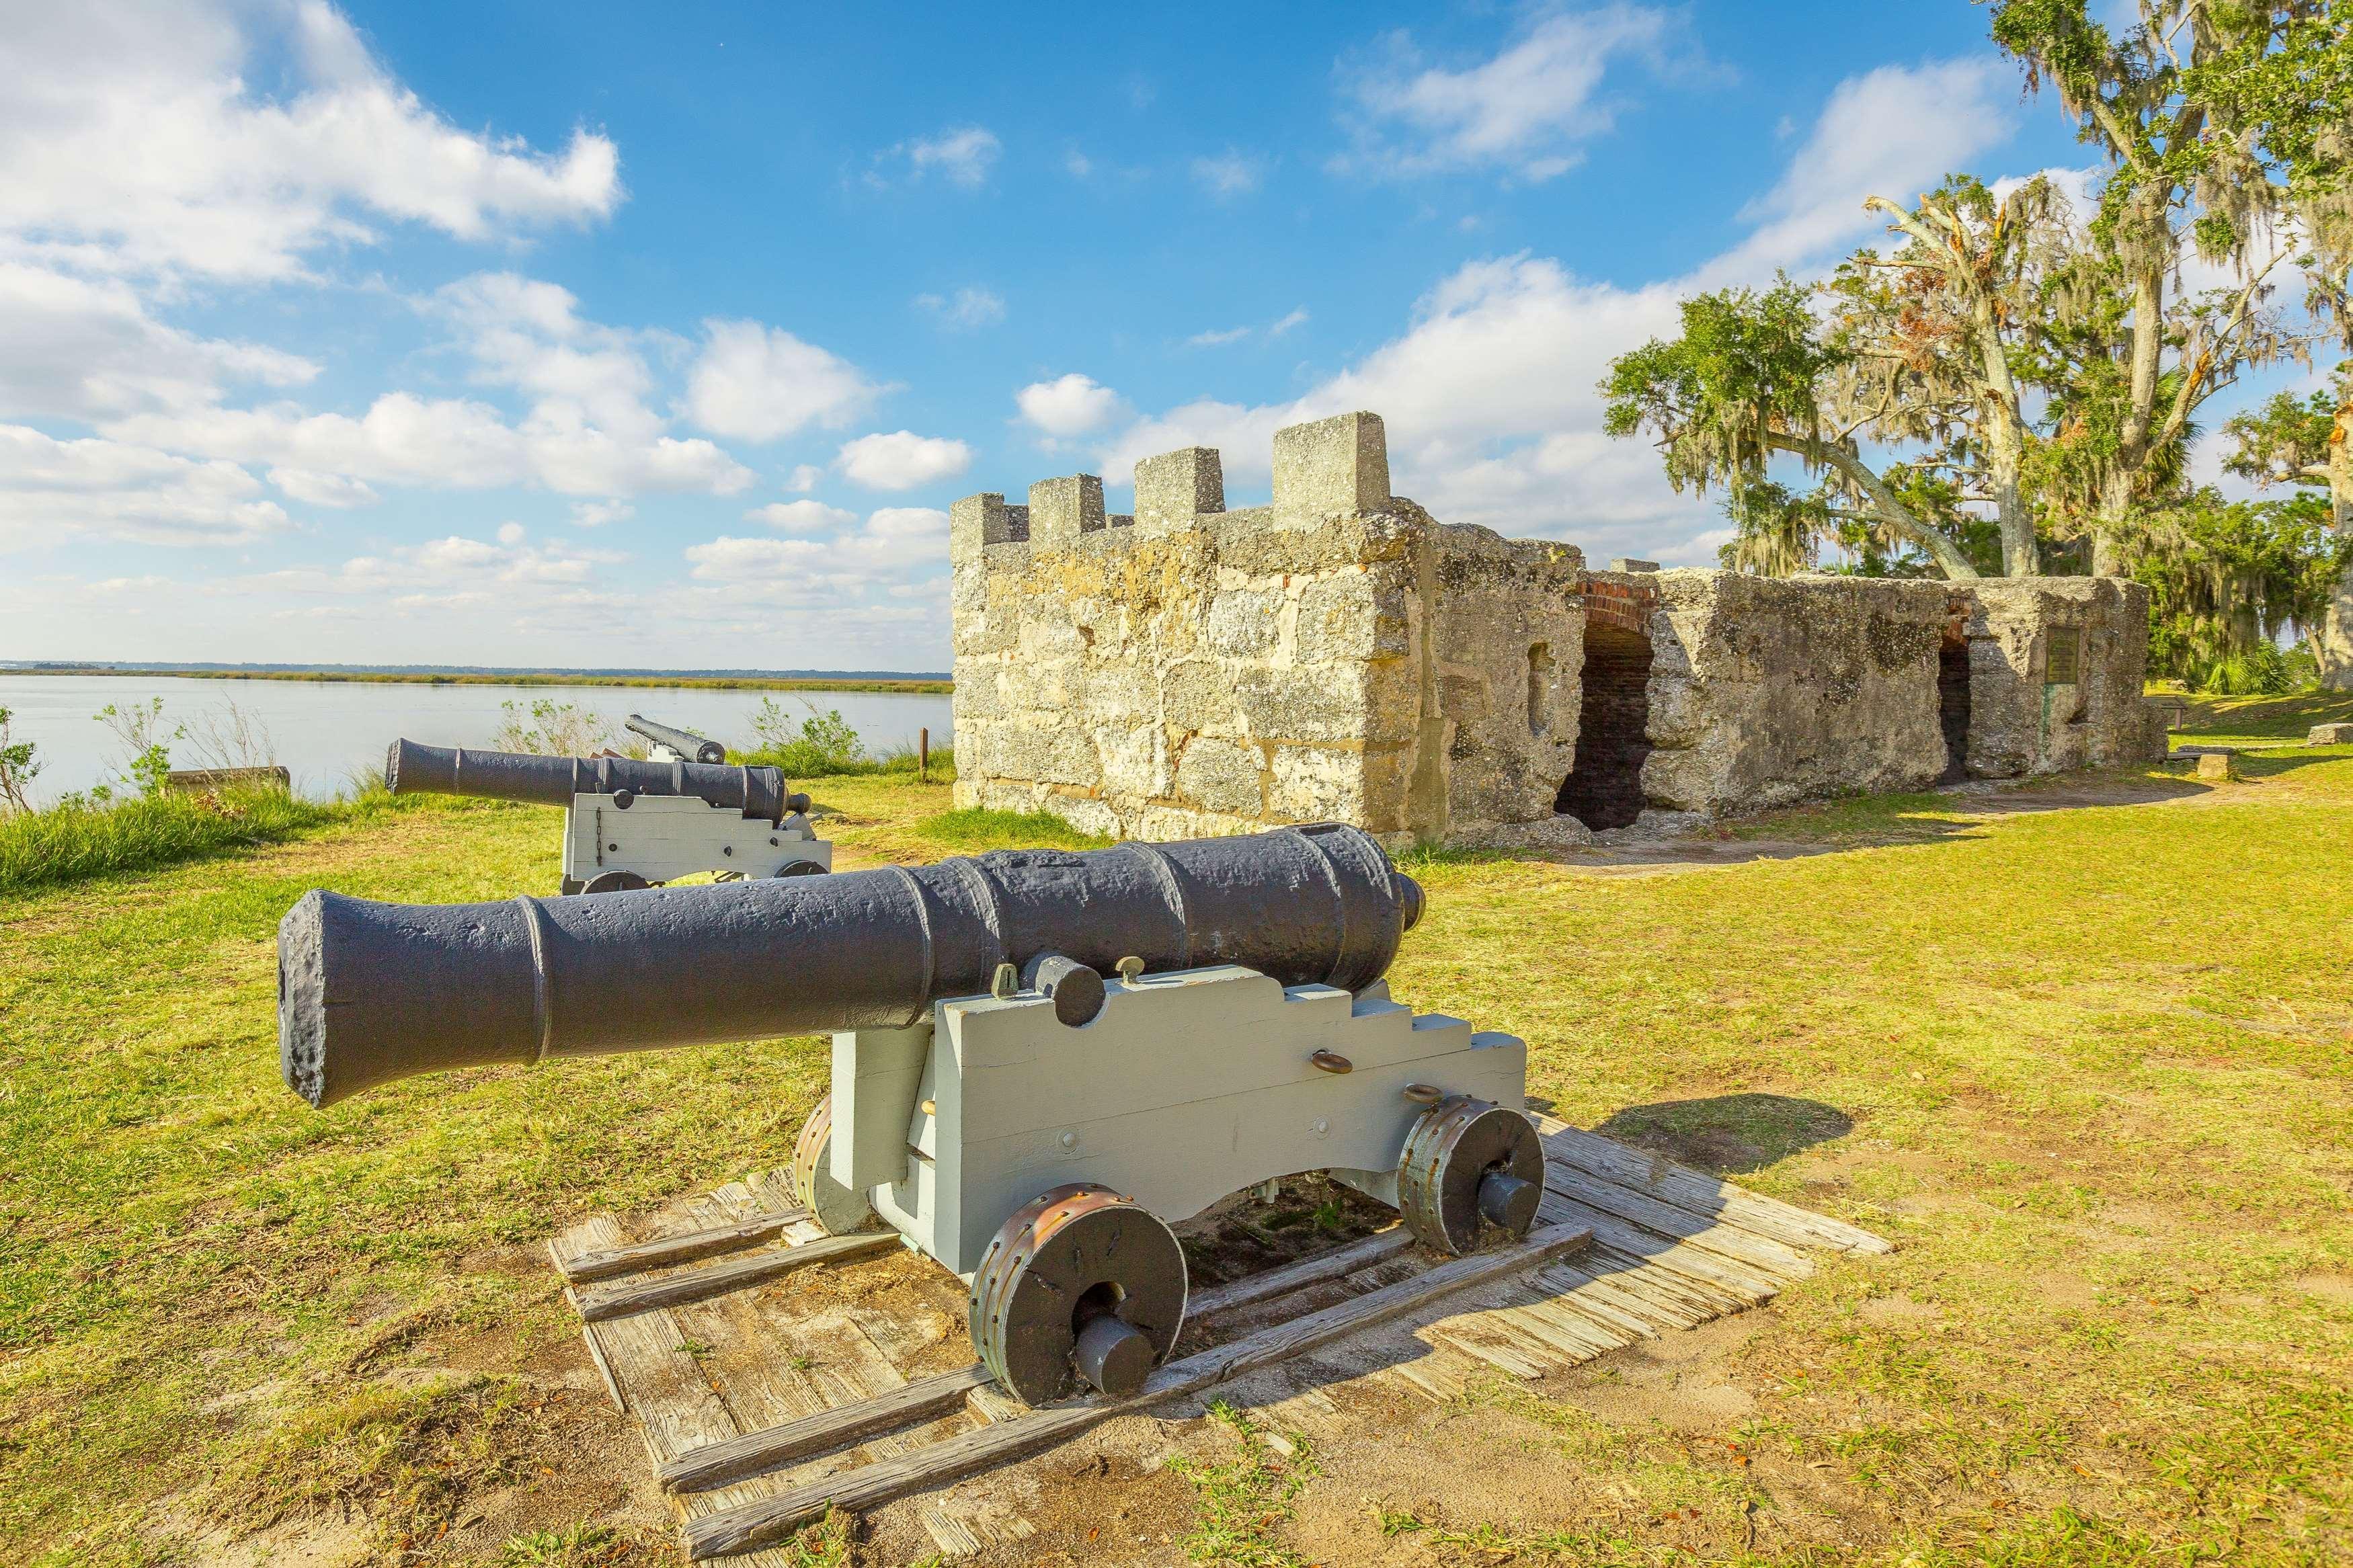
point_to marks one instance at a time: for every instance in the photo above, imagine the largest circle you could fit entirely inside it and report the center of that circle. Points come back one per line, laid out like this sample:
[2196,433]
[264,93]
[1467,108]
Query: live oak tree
[1752,377]
[1932,331]
[2226,126]
[2309,443]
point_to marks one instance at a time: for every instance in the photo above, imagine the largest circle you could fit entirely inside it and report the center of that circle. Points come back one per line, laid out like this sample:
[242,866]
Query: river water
[330,732]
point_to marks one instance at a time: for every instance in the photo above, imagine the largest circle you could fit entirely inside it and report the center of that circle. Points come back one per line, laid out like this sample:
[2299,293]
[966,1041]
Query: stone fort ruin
[1341,655]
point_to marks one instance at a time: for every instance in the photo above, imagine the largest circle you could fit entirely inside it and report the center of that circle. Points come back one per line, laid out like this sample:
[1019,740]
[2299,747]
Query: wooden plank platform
[773,1371]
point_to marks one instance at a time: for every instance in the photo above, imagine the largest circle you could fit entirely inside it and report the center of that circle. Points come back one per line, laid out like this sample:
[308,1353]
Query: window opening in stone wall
[1953,706]
[1540,689]
[1613,730]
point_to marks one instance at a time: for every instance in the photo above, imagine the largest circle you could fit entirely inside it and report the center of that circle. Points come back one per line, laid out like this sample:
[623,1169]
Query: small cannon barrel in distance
[554,781]
[371,992]
[694,748]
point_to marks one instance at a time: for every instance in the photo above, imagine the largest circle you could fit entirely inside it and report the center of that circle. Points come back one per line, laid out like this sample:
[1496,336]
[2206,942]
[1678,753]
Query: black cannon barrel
[371,992]
[694,748]
[554,781]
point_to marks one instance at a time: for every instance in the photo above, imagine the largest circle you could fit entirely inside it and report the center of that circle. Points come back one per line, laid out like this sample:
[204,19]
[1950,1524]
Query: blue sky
[524,334]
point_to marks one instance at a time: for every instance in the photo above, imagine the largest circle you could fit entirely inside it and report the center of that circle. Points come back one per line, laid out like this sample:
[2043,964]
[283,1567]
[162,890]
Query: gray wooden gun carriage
[1040,1058]
[631,824]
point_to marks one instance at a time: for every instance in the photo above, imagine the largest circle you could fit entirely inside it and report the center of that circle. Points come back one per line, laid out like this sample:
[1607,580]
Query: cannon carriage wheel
[1081,1286]
[838,1209]
[1465,1162]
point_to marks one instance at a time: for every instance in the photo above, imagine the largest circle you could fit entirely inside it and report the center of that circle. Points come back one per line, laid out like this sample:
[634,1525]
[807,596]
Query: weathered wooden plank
[828,1429]
[597,1305]
[1701,1194]
[1680,1224]
[584,1267]
[1742,1283]
[677,1408]
[936,1464]
[1264,1287]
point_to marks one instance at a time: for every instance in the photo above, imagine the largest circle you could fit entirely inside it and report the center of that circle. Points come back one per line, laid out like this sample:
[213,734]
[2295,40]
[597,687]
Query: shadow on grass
[1728,1134]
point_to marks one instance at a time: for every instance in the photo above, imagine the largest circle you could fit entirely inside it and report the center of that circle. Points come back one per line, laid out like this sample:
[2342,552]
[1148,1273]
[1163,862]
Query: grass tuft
[972,830]
[1247,1499]
[74,841]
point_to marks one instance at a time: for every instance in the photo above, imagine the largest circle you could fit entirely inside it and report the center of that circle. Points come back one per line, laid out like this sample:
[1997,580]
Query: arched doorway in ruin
[1953,703]
[1605,788]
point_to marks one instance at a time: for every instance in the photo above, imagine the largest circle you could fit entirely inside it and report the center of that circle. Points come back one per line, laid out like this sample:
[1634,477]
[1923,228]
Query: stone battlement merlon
[1326,467]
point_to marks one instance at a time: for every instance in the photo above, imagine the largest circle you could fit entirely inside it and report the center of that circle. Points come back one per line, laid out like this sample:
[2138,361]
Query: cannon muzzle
[694,748]
[371,992]
[554,781]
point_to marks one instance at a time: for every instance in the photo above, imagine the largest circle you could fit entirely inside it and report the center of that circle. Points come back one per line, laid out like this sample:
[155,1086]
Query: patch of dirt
[2334,1289]
[1242,1234]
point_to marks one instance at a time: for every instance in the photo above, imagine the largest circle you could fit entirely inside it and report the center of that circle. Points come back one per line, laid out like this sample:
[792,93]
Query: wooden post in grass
[923,756]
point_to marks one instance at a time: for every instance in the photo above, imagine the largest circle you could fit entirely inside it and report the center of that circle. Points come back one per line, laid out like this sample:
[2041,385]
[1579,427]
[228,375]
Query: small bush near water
[823,745]
[79,839]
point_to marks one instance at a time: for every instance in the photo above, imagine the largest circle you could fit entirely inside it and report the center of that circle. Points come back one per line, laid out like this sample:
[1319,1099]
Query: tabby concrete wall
[1766,690]
[1337,655]
[2056,670]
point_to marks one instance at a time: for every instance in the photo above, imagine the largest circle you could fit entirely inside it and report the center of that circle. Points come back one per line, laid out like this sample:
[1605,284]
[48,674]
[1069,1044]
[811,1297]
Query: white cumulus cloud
[802,516]
[760,383]
[137,139]
[1068,406]
[53,491]
[324,489]
[1526,111]
[902,459]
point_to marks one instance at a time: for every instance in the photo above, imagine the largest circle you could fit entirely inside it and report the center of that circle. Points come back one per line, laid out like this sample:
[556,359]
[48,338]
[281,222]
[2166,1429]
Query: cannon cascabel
[411,767]
[371,992]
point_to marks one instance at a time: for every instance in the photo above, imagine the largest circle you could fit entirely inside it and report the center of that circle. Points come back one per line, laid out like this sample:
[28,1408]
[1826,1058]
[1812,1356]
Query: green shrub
[823,745]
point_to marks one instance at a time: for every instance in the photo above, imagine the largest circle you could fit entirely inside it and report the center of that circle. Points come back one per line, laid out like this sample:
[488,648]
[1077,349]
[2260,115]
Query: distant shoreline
[914,685]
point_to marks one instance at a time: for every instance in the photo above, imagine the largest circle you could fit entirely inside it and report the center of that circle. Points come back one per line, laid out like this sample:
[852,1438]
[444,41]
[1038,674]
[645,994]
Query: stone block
[1355,616]
[1242,623]
[1221,776]
[1628,564]
[1196,695]
[1299,705]
[976,521]
[1085,814]
[1061,509]
[2218,765]
[1175,488]
[1314,784]
[1335,465]
[1135,762]
[1058,755]
[2330,735]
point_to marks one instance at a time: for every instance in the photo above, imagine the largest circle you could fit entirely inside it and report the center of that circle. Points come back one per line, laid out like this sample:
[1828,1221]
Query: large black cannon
[1040,1057]
[756,792]
[371,992]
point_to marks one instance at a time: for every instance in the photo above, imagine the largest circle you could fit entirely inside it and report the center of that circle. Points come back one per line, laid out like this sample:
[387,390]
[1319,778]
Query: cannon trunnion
[1040,1058]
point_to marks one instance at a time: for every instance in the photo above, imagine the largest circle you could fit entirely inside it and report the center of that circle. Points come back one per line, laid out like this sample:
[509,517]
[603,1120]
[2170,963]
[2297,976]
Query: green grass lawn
[2263,720]
[2092,1070]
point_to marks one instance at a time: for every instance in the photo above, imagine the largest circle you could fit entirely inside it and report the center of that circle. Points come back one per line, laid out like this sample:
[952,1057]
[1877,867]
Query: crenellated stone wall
[1341,655]
[1335,655]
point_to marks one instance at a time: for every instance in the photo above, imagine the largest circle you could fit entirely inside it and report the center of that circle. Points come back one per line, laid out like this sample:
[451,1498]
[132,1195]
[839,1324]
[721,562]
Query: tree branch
[1890,512]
